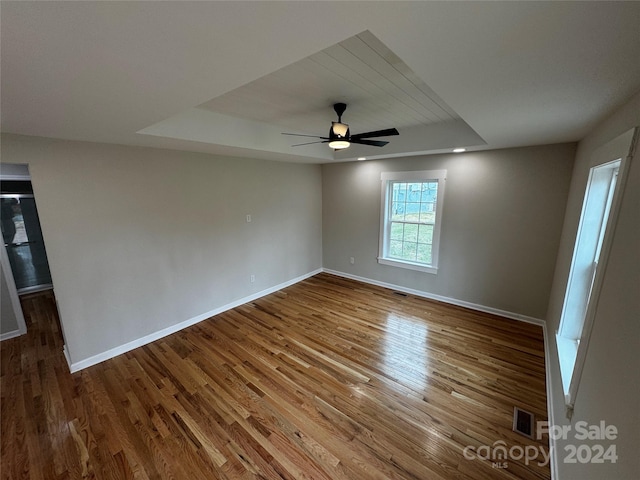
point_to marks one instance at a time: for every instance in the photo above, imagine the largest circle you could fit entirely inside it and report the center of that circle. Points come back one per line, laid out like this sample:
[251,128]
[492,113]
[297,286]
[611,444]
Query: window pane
[398,198]
[428,217]
[427,212]
[397,231]
[409,251]
[397,211]
[595,211]
[412,213]
[395,249]
[429,191]
[410,233]
[425,234]
[399,192]
[424,253]
[413,192]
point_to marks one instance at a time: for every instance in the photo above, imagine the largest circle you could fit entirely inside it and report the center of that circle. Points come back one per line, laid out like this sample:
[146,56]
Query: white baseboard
[65,351]
[11,334]
[113,352]
[440,298]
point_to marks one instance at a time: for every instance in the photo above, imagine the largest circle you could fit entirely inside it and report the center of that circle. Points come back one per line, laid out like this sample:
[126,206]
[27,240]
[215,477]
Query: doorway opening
[22,237]
[28,302]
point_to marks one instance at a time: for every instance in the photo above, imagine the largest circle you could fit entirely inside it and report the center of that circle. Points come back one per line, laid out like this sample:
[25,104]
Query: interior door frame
[7,271]
[13,297]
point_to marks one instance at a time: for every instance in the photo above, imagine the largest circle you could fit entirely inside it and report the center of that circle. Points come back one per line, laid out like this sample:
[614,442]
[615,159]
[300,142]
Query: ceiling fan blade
[310,143]
[299,135]
[378,133]
[373,143]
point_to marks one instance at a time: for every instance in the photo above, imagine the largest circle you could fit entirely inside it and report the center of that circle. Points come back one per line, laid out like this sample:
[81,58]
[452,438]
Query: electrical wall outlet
[352,260]
[248,218]
[252,278]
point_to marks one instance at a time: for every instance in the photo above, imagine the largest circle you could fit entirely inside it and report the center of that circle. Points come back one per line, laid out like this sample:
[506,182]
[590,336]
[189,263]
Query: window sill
[407,265]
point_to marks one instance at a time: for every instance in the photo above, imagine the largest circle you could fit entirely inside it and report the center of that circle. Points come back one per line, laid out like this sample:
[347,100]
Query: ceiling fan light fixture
[339,144]
[340,130]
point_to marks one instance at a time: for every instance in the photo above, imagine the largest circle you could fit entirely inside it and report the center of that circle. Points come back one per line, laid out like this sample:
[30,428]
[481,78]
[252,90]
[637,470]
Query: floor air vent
[400,294]
[523,422]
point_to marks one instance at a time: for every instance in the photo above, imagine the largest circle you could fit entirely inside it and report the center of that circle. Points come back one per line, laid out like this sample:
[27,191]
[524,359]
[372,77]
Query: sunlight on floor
[405,351]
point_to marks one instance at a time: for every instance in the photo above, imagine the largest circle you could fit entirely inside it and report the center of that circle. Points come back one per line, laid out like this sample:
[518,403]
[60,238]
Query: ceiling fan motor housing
[339,131]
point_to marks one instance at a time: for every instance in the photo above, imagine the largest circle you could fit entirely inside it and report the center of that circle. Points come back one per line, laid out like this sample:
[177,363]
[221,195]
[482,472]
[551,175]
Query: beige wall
[610,384]
[141,239]
[502,218]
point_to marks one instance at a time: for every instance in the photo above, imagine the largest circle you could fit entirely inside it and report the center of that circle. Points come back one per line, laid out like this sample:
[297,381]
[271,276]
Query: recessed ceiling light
[459,150]
[362,158]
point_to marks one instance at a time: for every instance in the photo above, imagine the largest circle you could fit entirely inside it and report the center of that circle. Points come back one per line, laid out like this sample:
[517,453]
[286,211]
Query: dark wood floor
[327,379]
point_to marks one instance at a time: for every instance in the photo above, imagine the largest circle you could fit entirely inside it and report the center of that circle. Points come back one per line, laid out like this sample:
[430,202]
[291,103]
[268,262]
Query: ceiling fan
[339,136]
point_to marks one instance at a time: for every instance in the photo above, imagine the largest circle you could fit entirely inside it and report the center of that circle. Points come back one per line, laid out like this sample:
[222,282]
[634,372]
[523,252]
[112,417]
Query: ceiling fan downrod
[339,108]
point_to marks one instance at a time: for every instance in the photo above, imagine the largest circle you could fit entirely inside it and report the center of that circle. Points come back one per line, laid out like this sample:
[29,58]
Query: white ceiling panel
[379,89]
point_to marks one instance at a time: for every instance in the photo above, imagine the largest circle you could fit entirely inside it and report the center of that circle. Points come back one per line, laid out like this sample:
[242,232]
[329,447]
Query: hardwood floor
[327,379]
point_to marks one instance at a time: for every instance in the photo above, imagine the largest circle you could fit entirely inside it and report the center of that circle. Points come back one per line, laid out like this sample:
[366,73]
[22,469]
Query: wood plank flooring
[326,379]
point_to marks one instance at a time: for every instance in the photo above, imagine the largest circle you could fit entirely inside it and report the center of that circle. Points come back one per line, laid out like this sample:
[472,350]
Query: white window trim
[573,353]
[420,176]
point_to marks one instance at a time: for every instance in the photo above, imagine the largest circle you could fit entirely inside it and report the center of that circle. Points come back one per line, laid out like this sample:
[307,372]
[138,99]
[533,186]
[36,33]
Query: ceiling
[229,77]
[379,86]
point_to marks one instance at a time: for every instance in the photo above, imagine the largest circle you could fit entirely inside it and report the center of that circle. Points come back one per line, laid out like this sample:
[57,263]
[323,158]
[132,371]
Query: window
[410,219]
[573,333]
